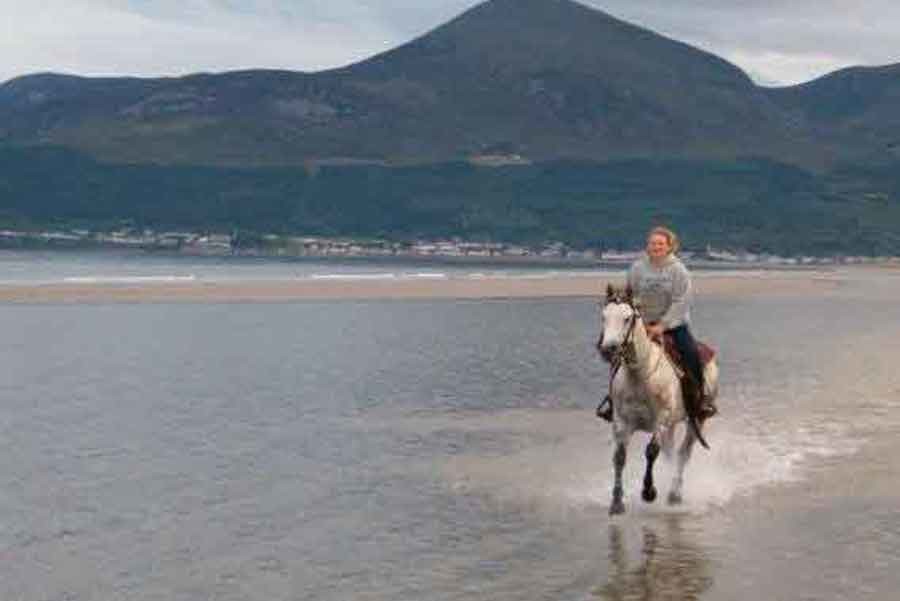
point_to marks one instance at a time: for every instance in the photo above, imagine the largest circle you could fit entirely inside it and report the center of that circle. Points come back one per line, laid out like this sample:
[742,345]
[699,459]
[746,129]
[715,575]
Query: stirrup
[605,409]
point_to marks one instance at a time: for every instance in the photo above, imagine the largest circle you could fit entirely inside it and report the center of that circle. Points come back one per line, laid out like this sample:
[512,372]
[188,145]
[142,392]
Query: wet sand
[419,449]
[708,284]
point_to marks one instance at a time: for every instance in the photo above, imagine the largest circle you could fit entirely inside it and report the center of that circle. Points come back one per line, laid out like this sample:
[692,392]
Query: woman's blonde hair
[669,235]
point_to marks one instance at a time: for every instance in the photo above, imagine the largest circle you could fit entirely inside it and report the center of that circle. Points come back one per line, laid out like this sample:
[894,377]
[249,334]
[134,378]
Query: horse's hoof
[617,507]
[674,498]
[649,494]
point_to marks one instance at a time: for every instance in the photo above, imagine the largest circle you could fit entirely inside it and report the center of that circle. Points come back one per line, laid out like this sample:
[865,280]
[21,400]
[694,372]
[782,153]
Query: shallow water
[128,267]
[437,450]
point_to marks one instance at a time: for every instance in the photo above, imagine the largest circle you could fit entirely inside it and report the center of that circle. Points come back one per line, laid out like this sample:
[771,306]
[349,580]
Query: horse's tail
[692,420]
[691,398]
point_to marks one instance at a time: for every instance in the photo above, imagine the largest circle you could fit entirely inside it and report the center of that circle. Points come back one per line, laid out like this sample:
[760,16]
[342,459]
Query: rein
[621,355]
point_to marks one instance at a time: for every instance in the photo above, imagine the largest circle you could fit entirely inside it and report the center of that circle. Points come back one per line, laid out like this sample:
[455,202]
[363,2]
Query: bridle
[626,349]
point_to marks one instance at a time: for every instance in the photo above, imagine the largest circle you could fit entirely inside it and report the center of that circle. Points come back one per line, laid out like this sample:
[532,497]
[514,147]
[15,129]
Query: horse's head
[618,316]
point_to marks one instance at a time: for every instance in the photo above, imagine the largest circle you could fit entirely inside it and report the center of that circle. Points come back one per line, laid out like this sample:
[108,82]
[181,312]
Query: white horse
[646,395]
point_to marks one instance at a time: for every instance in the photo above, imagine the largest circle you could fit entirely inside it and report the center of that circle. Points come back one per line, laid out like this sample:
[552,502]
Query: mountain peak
[543,79]
[545,14]
[534,36]
[532,7]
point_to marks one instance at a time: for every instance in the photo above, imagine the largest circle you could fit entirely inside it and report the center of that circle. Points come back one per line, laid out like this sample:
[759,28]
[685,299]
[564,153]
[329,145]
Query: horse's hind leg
[651,453]
[684,455]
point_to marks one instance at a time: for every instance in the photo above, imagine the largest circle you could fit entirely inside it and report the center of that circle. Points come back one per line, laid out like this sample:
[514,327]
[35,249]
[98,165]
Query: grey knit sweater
[664,292]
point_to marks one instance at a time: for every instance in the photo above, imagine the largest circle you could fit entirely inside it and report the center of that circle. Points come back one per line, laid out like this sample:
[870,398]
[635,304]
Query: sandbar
[557,286]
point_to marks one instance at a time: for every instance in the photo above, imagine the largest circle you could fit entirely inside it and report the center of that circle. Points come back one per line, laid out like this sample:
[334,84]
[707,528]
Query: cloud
[783,41]
[775,41]
[110,37]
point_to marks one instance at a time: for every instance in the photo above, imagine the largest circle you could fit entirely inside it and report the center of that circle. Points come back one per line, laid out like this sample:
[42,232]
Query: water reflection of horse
[646,395]
[671,567]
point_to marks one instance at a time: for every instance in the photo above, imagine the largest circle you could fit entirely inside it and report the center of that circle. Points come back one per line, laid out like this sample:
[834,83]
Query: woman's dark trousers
[692,385]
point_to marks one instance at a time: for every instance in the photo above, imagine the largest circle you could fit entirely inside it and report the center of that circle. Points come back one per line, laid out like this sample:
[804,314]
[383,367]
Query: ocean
[430,449]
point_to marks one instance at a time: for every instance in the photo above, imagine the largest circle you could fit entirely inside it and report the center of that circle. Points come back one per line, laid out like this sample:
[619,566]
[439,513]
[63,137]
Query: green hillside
[757,205]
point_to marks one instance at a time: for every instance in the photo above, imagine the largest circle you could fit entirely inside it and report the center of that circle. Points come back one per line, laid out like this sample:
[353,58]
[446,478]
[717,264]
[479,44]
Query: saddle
[690,391]
[706,352]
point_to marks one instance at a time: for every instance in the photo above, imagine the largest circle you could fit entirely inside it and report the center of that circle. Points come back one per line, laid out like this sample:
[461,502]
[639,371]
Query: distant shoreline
[440,252]
[524,262]
[486,288]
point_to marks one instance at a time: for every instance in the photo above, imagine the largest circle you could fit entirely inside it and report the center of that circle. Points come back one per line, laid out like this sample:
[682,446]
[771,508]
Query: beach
[246,429]
[472,287]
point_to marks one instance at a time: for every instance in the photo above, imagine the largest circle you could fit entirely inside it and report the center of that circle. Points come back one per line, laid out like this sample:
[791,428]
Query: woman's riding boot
[696,403]
[702,405]
[707,407]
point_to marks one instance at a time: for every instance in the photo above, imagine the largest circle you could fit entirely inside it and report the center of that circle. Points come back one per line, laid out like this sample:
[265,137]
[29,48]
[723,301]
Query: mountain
[545,79]
[854,112]
[520,120]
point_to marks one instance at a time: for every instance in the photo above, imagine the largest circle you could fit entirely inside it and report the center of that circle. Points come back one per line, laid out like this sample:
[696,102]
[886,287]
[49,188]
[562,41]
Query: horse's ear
[629,293]
[610,292]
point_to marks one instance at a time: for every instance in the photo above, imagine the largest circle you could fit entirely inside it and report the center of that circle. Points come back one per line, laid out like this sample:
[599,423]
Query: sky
[777,42]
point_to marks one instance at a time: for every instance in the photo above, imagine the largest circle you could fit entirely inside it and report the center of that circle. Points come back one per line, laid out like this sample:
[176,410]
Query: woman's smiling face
[658,247]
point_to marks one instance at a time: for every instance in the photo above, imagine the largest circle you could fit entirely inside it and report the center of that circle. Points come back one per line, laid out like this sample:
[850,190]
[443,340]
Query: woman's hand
[654,331]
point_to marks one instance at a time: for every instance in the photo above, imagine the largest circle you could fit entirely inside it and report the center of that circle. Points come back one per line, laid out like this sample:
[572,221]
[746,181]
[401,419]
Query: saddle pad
[706,352]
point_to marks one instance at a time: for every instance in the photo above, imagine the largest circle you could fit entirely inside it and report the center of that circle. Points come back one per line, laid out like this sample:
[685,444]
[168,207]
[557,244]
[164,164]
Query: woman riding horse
[661,285]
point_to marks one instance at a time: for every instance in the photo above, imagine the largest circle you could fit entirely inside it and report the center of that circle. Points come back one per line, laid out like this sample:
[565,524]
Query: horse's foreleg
[684,455]
[666,440]
[651,453]
[617,505]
